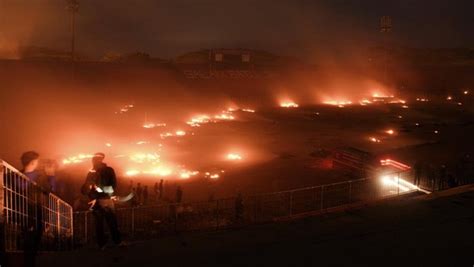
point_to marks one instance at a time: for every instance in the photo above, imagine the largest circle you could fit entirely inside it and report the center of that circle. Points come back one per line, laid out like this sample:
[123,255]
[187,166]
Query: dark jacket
[101,177]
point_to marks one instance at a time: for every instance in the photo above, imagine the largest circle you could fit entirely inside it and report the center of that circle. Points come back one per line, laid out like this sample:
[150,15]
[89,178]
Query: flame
[234,156]
[339,103]
[198,120]
[153,125]
[288,104]
[77,159]
[375,140]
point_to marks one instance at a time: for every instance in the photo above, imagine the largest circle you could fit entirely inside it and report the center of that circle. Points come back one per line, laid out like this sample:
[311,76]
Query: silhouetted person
[145,195]
[442,175]
[130,186]
[431,176]
[160,188]
[139,193]
[45,179]
[100,186]
[179,194]
[156,191]
[418,170]
[33,230]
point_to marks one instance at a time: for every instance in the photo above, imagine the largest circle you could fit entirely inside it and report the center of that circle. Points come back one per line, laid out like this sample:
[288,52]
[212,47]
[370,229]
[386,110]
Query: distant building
[230,63]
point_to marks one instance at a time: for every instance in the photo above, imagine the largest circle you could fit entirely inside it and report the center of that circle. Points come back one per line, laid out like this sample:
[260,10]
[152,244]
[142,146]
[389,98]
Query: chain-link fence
[31,217]
[157,220]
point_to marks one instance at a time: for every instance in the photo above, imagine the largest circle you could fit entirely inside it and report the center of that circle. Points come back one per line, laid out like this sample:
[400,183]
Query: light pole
[73,8]
[385,29]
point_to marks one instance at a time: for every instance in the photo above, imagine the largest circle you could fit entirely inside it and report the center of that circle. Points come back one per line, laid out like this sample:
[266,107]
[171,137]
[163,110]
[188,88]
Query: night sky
[166,28]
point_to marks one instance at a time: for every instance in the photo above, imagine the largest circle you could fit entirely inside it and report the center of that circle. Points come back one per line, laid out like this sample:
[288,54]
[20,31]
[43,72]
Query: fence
[156,220]
[31,216]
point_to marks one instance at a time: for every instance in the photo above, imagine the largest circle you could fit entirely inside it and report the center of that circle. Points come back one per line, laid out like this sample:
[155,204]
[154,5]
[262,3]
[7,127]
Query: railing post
[2,215]
[58,221]
[322,198]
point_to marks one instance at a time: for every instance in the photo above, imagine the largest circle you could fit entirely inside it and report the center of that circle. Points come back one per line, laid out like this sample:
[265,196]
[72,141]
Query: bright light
[449,98]
[248,110]
[466,92]
[375,140]
[339,103]
[224,117]
[184,174]
[153,125]
[108,144]
[145,157]
[142,142]
[196,121]
[390,132]
[132,172]
[77,159]
[288,104]
[234,156]
[180,133]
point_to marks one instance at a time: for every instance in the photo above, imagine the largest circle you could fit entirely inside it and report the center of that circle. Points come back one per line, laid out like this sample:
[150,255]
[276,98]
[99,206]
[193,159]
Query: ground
[431,230]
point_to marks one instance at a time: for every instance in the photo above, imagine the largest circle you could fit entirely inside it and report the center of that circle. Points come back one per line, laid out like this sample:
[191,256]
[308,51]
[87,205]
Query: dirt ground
[433,230]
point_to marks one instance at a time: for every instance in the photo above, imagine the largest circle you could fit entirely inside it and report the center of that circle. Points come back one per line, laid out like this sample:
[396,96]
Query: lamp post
[385,29]
[73,8]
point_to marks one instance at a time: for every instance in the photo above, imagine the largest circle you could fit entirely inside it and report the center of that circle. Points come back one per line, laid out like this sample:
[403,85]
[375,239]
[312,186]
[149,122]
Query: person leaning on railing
[36,194]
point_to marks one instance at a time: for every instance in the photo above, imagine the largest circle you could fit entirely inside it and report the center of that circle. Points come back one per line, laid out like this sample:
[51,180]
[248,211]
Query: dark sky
[165,28]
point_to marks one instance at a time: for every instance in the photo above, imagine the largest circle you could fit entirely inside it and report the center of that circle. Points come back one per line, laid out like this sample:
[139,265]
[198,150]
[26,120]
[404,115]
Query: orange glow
[375,140]
[288,104]
[153,125]
[339,103]
[77,159]
[234,157]
[390,131]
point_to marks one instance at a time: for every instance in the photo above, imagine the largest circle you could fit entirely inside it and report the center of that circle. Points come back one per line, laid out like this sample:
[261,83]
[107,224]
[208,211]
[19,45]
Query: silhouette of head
[30,160]
[98,159]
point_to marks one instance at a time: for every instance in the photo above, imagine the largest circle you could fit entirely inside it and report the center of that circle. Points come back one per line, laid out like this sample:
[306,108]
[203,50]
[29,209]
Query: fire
[339,103]
[77,159]
[225,116]
[212,175]
[422,99]
[180,133]
[390,131]
[185,174]
[449,98]
[153,125]
[142,142]
[248,110]
[234,157]
[198,120]
[145,157]
[466,92]
[288,104]
[375,140]
[125,109]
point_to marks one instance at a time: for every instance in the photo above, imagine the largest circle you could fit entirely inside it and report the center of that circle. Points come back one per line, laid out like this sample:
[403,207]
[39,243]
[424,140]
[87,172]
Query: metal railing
[31,217]
[145,222]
